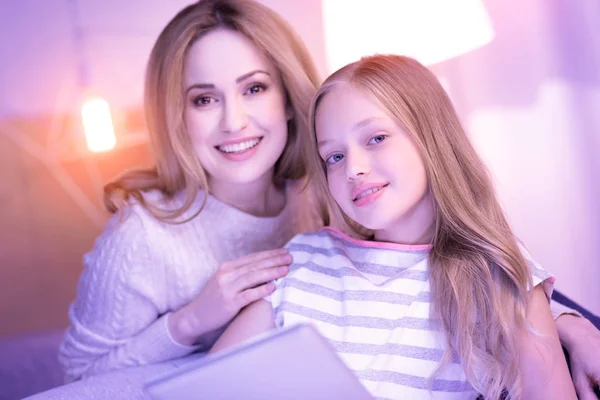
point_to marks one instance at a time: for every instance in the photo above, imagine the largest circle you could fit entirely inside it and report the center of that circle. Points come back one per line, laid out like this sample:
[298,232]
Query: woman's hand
[543,366]
[582,341]
[236,284]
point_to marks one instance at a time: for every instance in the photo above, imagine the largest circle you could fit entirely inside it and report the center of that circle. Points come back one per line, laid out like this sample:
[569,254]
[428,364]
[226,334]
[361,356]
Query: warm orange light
[98,125]
[428,30]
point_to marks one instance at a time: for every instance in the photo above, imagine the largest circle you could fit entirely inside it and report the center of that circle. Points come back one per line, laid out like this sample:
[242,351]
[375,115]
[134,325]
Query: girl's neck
[260,198]
[417,227]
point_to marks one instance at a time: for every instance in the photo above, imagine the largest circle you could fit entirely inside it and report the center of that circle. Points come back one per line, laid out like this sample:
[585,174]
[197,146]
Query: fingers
[259,268]
[251,295]
[278,260]
[261,276]
[252,258]
[584,387]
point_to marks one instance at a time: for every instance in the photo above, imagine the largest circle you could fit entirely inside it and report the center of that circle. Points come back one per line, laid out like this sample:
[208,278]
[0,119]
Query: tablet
[294,363]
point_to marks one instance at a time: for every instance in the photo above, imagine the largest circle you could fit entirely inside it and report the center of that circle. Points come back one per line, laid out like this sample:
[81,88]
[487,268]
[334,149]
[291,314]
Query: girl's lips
[369,194]
[362,189]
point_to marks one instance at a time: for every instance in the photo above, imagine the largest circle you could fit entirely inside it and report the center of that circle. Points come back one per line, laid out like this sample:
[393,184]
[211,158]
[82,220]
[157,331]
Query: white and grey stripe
[373,304]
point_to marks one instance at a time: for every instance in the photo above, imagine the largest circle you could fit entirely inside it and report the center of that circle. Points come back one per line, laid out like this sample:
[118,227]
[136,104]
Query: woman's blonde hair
[478,275]
[177,167]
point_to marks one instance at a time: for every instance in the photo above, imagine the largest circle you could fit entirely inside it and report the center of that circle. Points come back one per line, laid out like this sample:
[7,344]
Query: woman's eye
[204,100]
[377,139]
[255,89]
[334,159]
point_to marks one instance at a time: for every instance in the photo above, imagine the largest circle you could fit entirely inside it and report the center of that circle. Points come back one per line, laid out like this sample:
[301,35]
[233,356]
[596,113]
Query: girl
[195,244]
[427,292]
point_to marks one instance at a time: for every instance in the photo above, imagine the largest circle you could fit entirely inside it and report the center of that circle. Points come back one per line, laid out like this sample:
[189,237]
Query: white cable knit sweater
[140,269]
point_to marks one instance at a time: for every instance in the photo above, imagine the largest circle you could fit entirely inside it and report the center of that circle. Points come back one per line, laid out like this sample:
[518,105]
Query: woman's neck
[260,198]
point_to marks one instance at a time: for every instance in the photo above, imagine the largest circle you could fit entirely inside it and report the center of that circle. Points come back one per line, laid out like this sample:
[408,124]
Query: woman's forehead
[224,55]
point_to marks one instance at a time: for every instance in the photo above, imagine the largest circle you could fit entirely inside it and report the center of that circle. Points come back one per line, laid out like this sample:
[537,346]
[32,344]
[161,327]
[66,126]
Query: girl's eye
[255,89]
[204,100]
[377,139]
[334,159]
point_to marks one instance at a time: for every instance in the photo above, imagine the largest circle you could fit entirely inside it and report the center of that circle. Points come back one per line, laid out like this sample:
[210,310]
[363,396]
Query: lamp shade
[427,30]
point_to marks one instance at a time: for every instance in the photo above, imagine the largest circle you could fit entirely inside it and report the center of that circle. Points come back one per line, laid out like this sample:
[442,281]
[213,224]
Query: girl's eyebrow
[361,124]
[365,122]
[323,142]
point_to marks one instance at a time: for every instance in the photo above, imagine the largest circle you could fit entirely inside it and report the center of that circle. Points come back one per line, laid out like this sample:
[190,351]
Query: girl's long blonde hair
[177,167]
[478,275]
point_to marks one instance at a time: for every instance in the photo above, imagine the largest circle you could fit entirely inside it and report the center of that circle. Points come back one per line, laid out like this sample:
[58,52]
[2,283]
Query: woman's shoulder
[136,217]
[148,223]
[133,235]
[153,207]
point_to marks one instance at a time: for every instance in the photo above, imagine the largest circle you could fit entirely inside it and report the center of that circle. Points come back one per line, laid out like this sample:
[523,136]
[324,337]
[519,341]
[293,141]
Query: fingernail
[284,270]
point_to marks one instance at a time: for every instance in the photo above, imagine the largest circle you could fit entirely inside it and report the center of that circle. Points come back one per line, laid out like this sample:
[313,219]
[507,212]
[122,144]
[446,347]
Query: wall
[530,101]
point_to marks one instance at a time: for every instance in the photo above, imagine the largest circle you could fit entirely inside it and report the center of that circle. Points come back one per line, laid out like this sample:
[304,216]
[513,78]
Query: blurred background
[524,77]
[56,54]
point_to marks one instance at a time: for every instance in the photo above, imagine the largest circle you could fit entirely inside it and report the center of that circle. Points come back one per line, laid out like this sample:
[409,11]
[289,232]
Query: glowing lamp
[98,125]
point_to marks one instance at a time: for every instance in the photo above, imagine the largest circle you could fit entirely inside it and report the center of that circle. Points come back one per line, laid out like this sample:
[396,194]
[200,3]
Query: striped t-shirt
[371,300]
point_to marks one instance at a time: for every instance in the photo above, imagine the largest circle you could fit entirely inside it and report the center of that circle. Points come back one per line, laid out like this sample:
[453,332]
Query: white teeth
[238,147]
[367,192]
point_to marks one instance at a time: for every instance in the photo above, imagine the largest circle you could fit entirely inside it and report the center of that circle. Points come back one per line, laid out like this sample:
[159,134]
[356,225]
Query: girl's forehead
[347,107]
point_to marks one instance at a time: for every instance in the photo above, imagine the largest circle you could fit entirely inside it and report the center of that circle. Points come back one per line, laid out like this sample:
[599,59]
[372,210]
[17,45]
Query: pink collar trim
[378,245]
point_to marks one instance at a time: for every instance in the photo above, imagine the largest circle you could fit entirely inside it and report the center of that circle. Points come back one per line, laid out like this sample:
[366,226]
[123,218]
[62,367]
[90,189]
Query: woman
[194,240]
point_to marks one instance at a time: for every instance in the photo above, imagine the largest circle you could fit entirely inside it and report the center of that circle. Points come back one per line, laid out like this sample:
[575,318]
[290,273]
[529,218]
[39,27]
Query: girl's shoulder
[325,240]
[319,237]
[538,273]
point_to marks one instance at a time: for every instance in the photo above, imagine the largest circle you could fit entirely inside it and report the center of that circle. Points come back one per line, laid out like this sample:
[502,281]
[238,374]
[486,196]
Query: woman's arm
[582,341]
[235,284]
[119,318]
[543,365]
[256,318]
[115,318]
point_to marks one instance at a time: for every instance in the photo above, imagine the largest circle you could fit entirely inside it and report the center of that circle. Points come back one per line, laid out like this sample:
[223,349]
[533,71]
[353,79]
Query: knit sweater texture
[141,269]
